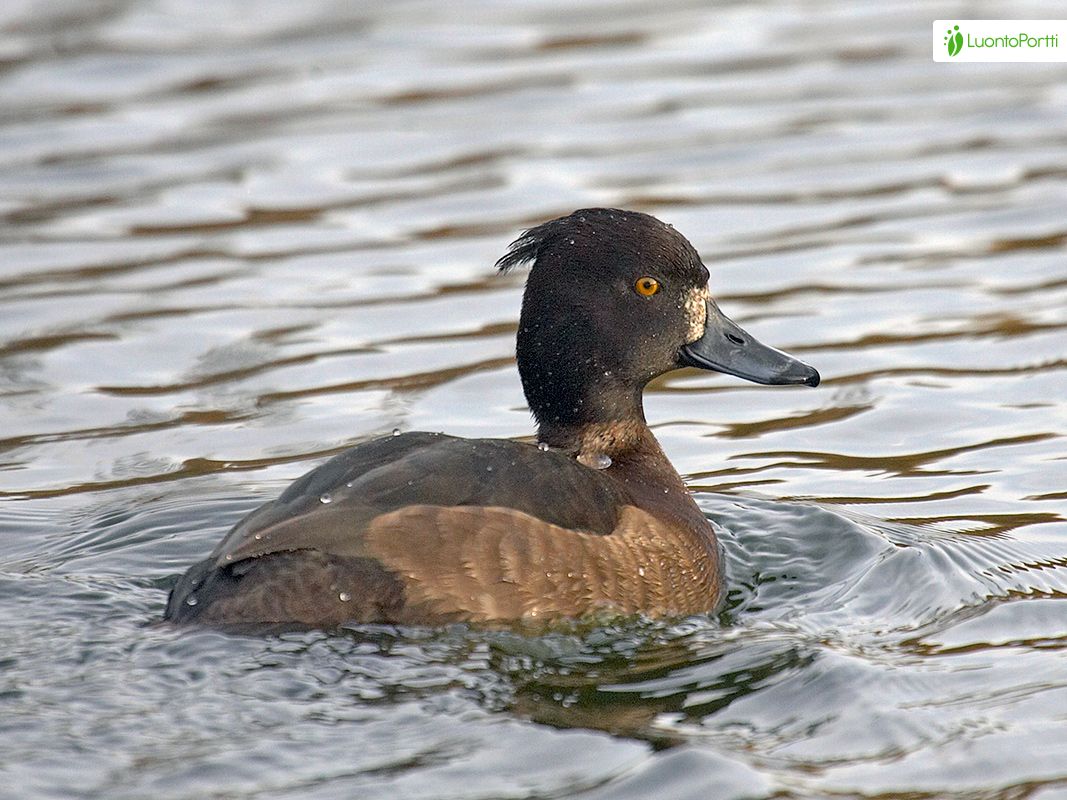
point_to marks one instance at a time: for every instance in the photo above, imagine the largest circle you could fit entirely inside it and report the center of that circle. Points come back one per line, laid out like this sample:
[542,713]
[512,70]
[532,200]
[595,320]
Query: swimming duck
[425,528]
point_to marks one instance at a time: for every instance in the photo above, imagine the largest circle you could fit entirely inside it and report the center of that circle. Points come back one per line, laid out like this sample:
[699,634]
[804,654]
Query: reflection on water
[235,243]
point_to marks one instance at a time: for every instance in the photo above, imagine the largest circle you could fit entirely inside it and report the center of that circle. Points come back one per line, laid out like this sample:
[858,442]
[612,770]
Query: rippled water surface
[237,238]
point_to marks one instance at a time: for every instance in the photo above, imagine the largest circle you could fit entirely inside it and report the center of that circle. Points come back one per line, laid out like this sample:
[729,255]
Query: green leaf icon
[954,40]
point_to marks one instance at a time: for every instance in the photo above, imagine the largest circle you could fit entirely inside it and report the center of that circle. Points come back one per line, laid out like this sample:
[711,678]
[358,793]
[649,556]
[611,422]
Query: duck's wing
[330,508]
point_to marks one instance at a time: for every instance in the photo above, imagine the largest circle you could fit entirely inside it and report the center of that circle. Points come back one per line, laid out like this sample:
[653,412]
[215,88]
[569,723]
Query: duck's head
[615,298]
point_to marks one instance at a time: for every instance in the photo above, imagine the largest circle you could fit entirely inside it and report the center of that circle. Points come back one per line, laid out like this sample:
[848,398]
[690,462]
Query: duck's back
[429,527]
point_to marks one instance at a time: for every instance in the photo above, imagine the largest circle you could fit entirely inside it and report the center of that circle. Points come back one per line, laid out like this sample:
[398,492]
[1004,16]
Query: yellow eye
[646,286]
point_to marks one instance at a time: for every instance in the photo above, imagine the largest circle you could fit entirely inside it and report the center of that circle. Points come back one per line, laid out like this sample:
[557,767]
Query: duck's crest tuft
[521,251]
[583,226]
[526,248]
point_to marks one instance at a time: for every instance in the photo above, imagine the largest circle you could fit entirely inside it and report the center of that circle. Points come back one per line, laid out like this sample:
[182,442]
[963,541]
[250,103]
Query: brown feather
[516,566]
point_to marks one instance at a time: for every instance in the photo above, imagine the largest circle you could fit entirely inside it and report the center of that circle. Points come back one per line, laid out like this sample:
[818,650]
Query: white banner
[1000,40]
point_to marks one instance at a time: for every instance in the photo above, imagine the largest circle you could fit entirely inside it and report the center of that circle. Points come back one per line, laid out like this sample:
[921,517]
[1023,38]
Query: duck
[423,528]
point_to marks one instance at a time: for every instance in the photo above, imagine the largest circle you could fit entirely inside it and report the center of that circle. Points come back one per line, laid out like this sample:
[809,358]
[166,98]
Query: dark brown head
[614,299]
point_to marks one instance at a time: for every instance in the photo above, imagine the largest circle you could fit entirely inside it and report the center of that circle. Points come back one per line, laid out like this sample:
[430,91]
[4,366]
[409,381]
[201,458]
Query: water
[235,243]
[594,460]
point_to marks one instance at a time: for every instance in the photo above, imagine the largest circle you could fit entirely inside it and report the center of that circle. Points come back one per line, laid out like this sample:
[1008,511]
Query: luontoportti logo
[954,40]
[965,40]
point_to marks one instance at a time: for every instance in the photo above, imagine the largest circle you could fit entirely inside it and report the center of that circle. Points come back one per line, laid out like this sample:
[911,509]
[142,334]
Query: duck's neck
[614,438]
[619,445]
[638,465]
[589,407]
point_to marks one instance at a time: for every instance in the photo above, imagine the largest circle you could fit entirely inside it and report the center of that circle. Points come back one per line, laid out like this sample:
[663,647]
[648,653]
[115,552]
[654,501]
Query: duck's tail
[301,587]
